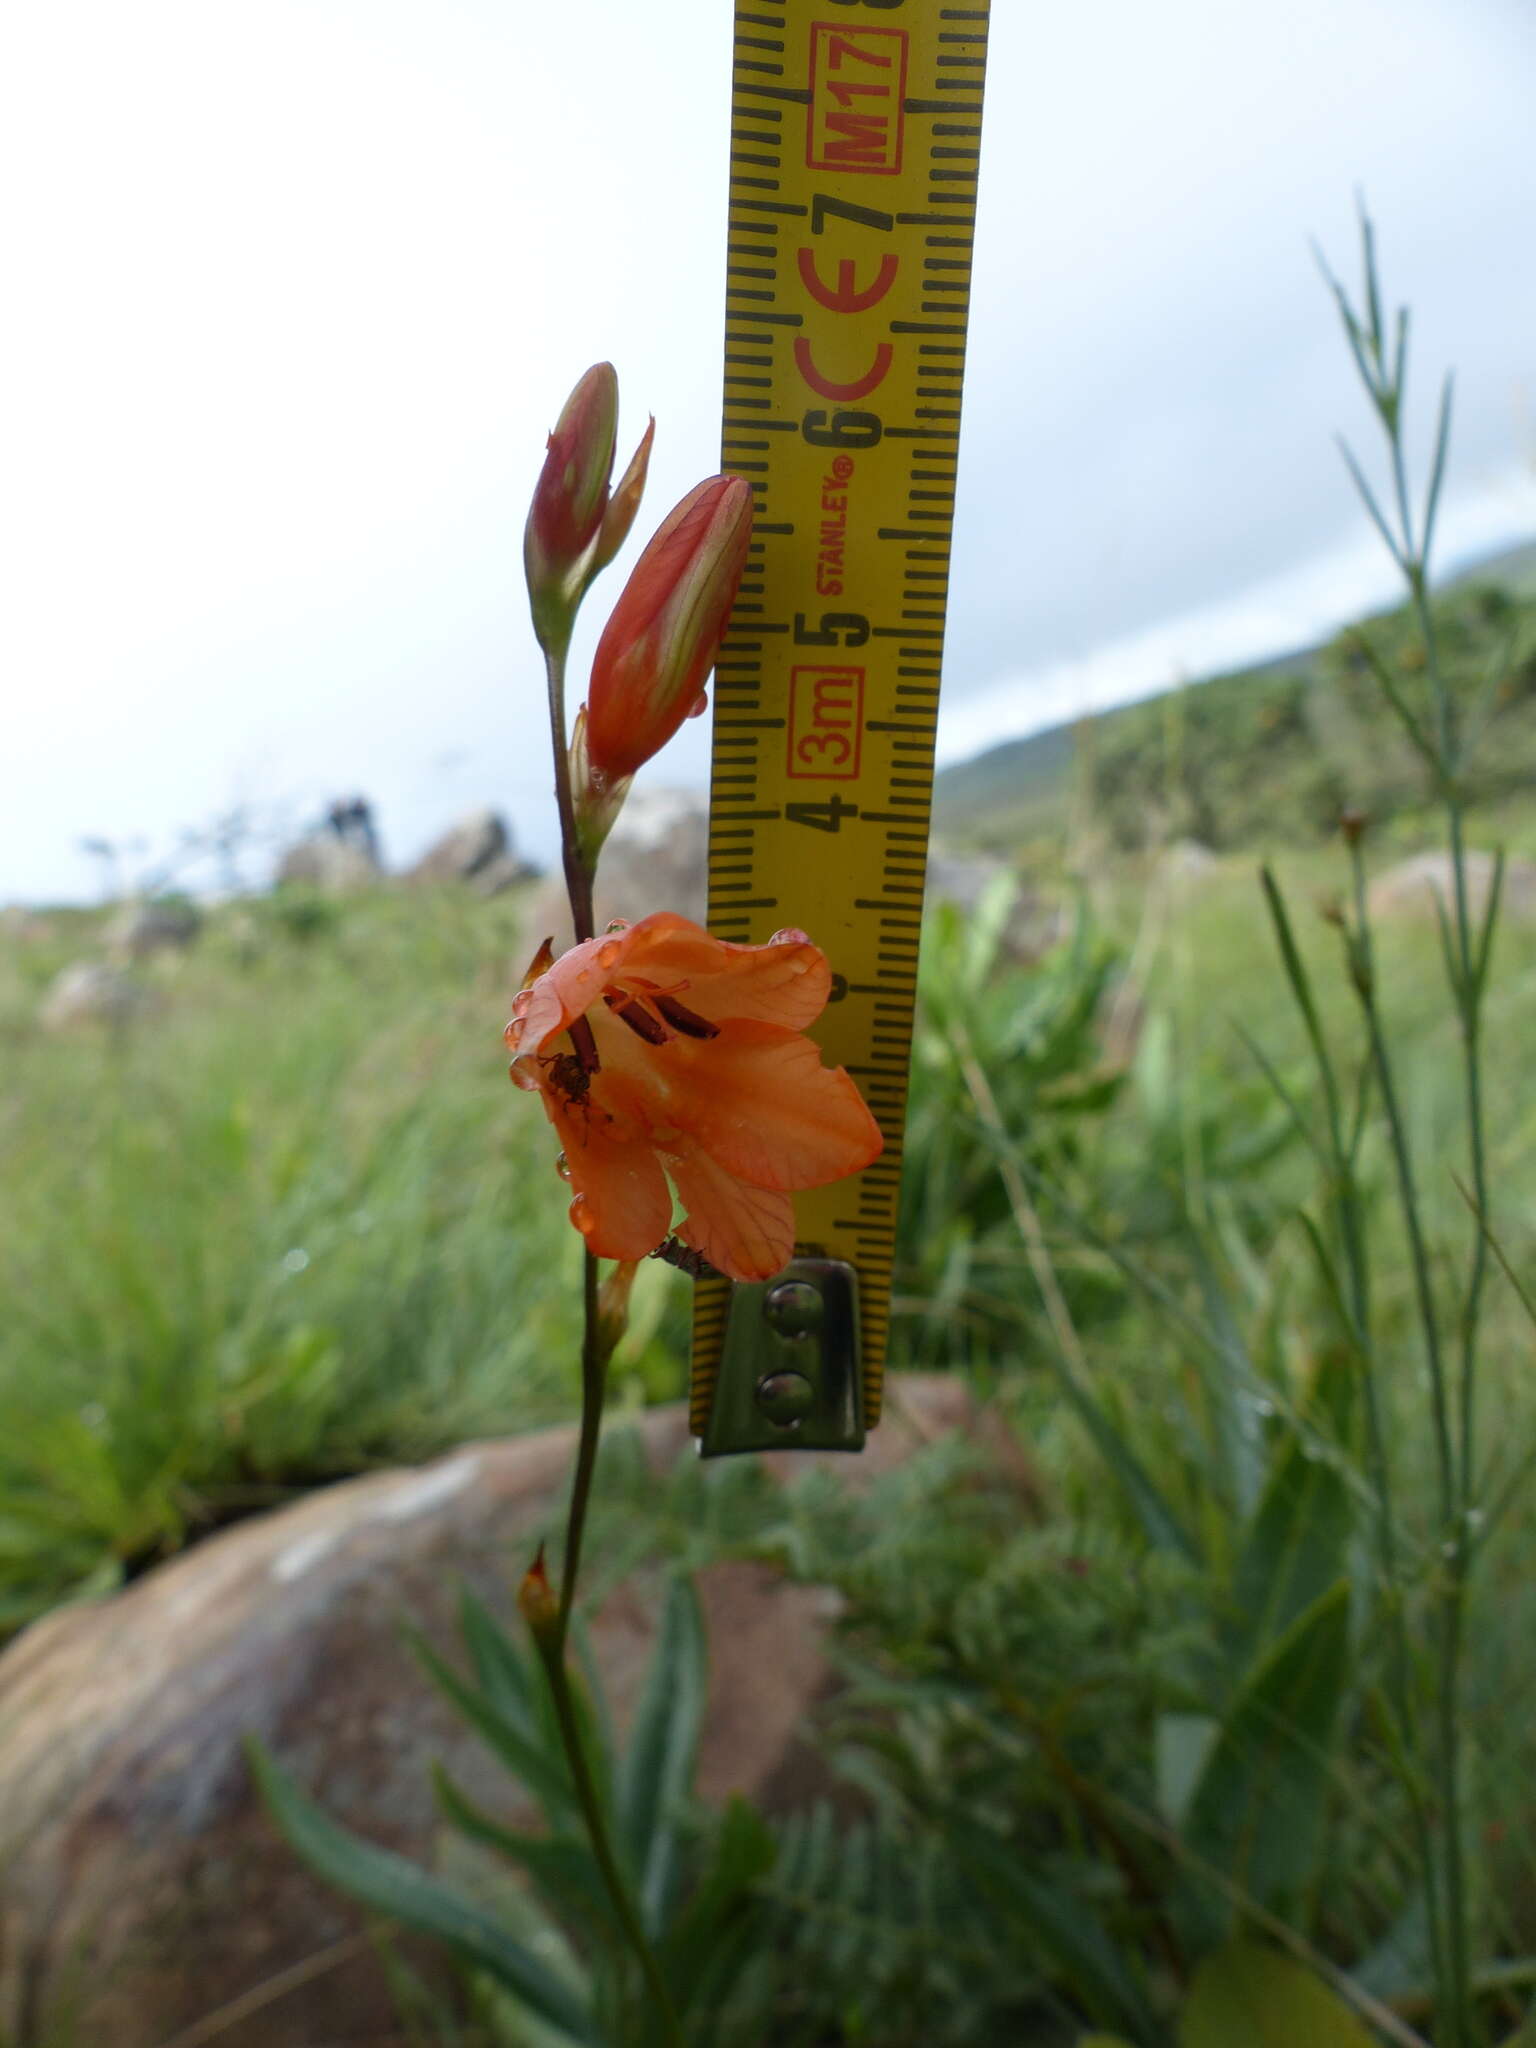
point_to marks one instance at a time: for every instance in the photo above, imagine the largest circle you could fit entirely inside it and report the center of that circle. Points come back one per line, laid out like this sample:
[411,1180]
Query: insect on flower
[662,1054]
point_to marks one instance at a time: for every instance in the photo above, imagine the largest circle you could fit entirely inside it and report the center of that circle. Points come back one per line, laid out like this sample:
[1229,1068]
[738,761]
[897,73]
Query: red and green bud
[539,1602]
[660,644]
[574,528]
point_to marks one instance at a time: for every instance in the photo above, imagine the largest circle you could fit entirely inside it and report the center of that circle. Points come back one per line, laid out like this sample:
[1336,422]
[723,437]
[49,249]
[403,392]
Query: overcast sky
[295,289]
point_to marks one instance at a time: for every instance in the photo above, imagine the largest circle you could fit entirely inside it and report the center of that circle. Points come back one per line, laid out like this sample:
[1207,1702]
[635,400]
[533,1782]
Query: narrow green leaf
[1257,1813]
[744,1853]
[1245,1996]
[656,1772]
[1182,1746]
[391,1885]
[562,1866]
[505,1675]
[1301,988]
[1295,1548]
[1407,717]
[1484,950]
[1437,468]
[544,1772]
[1368,499]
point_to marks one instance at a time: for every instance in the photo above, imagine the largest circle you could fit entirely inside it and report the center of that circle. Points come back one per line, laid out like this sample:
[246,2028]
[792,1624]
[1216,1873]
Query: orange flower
[688,1060]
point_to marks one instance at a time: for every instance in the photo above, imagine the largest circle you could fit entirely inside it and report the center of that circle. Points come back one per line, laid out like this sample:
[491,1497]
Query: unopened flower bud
[613,1306]
[660,644]
[574,528]
[538,1601]
[1352,823]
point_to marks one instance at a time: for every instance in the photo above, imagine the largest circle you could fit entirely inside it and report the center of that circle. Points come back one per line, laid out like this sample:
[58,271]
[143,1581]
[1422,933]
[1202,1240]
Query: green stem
[1457,2018]
[552,1651]
[554,1641]
[594,1378]
[578,876]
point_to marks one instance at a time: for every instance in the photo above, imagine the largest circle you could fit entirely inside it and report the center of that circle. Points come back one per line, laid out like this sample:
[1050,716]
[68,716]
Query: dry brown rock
[139,1875]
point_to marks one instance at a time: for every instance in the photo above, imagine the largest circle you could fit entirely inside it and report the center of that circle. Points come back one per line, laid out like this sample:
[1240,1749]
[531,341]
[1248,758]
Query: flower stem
[594,1377]
[578,876]
[552,1651]
[553,1642]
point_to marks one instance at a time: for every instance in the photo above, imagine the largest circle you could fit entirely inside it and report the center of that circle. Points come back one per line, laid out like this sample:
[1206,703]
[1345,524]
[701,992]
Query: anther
[642,1023]
[685,1020]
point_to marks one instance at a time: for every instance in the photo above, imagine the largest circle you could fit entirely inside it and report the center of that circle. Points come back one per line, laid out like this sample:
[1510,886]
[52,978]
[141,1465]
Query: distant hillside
[1273,750]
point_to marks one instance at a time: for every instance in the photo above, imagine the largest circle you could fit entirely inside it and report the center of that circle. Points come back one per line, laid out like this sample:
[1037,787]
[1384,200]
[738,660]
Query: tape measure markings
[783,683]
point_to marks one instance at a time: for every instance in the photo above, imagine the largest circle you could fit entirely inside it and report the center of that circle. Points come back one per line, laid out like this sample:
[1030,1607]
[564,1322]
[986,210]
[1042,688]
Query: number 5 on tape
[855,145]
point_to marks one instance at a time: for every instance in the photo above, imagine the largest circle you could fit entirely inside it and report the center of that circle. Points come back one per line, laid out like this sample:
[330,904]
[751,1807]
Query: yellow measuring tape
[855,143]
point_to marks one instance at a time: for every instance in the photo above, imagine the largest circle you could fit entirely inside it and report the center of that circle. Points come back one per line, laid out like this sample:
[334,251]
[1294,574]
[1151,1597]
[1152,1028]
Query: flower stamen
[639,1019]
[681,1018]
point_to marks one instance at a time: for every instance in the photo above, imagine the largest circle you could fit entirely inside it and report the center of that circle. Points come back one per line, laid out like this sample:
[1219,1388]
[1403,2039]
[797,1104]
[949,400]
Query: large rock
[655,859]
[137,1870]
[91,993]
[1412,886]
[477,850]
[151,925]
[336,867]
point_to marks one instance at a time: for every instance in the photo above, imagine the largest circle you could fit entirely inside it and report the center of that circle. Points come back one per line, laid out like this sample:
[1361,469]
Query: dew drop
[563,1166]
[699,705]
[790,935]
[581,1215]
[617,924]
[607,955]
[521,1002]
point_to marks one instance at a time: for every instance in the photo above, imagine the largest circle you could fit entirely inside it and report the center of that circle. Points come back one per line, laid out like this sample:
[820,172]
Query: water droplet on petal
[791,935]
[699,705]
[607,955]
[617,924]
[563,1167]
[521,1002]
[581,1215]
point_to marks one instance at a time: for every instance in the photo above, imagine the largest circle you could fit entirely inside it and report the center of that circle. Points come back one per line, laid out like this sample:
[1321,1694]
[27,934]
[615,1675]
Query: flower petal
[759,1101]
[627,1208]
[785,982]
[747,1233]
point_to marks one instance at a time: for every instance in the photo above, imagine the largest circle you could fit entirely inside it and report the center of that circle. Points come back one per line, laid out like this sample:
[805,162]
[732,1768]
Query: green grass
[292,1222]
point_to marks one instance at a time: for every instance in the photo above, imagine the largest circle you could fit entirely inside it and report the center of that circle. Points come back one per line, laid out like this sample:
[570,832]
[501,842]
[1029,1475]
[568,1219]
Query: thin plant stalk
[553,1641]
[1344,1200]
[578,876]
[1467,944]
